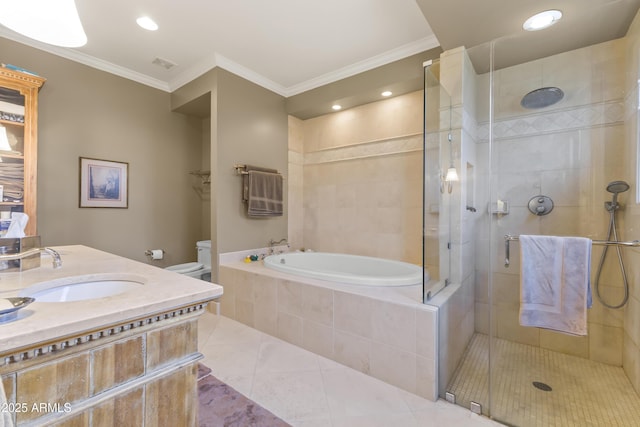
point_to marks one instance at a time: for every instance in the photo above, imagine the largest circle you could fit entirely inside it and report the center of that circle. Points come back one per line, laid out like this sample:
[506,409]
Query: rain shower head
[541,98]
[616,187]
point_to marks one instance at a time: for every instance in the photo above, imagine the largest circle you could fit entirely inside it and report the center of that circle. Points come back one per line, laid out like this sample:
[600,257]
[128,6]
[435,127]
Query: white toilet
[201,269]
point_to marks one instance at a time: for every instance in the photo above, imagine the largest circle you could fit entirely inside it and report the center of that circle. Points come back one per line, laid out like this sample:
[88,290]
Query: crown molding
[217,60]
[85,59]
[365,65]
[221,61]
[206,64]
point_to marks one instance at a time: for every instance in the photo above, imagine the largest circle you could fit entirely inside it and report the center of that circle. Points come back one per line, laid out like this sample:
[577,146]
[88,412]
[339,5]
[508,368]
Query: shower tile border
[582,117]
[398,145]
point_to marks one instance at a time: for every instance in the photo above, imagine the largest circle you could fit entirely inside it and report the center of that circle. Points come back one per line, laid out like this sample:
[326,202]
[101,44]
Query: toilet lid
[185,268]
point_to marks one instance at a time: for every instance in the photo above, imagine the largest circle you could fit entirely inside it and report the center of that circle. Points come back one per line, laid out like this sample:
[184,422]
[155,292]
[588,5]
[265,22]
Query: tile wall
[361,179]
[295,185]
[360,182]
[456,303]
[392,341]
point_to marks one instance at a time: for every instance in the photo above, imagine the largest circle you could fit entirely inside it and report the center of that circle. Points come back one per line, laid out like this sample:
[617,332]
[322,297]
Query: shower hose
[612,230]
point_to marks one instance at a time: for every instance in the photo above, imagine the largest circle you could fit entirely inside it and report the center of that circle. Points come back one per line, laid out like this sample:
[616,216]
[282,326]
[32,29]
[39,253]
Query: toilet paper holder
[155,253]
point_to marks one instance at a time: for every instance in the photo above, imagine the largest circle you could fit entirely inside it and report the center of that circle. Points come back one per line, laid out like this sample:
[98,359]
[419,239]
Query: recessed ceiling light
[542,20]
[386,93]
[336,107]
[147,23]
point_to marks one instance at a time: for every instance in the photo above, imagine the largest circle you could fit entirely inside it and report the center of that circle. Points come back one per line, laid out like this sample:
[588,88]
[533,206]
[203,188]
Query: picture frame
[103,183]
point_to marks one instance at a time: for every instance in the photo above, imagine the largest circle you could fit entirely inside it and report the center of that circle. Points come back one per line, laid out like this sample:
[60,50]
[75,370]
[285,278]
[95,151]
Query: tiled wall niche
[390,340]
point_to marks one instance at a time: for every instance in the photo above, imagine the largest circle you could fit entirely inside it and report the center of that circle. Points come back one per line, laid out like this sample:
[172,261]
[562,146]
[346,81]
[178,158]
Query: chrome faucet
[273,243]
[57,260]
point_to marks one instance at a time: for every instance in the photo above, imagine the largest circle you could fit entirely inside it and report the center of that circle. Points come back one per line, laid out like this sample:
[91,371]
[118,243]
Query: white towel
[554,283]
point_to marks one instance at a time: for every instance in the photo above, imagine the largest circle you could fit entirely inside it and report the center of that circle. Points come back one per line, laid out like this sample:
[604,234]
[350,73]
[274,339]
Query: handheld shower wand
[615,187]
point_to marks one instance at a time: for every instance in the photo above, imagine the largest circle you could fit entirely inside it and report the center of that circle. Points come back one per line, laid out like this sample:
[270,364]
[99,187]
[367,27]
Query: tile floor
[308,390]
[583,393]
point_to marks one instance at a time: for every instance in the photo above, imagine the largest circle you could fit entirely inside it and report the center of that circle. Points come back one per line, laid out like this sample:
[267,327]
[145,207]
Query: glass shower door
[436,207]
[455,242]
[550,164]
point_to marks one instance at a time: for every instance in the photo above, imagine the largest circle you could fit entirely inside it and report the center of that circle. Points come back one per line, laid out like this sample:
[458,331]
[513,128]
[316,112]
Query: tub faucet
[55,255]
[273,243]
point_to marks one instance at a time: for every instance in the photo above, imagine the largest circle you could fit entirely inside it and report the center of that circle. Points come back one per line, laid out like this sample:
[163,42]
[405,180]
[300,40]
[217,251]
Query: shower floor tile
[583,392]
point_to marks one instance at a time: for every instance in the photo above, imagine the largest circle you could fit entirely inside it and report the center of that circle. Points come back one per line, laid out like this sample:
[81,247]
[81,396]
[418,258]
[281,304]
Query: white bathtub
[343,268]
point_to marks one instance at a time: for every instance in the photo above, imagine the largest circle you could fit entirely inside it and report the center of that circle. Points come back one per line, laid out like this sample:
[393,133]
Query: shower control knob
[540,205]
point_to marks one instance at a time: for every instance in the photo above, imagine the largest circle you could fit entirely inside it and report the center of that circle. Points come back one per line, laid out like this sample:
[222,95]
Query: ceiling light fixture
[542,20]
[336,107]
[147,23]
[386,93]
[52,22]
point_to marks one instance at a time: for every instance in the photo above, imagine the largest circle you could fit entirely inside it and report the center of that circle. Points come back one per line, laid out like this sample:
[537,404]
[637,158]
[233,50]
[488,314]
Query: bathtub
[344,268]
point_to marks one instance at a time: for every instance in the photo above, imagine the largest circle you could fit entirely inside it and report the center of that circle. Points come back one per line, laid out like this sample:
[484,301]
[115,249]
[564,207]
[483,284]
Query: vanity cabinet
[125,360]
[138,373]
[19,143]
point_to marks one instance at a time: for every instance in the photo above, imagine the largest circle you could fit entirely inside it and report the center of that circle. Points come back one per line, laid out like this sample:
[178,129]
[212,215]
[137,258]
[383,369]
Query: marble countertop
[161,291]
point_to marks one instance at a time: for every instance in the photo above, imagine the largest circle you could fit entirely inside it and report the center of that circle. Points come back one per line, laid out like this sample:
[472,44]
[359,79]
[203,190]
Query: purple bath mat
[222,406]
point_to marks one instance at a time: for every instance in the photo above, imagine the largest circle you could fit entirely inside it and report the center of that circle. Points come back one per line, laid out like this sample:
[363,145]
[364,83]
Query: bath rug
[222,406]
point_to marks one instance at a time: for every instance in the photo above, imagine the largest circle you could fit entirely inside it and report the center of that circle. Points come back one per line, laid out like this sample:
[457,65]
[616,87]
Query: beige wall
[251,129]
[248,125]
[205,195]
[90,113]
[362,184]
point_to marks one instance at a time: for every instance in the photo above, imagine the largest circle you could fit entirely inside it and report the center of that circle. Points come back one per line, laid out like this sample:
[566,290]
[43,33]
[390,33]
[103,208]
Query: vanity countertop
[42,321]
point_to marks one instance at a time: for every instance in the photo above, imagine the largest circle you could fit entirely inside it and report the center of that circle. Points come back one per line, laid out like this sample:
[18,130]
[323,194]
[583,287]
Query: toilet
[200,269]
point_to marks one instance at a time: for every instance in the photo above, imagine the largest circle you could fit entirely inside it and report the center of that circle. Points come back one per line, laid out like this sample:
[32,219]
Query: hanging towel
[265,196]
[555,283]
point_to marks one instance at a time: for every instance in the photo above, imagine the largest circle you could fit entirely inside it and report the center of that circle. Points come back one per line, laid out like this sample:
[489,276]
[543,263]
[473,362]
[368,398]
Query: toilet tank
[204,252]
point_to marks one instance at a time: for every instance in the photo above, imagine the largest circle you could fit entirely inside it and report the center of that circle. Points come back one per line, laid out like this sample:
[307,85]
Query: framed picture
[103,183]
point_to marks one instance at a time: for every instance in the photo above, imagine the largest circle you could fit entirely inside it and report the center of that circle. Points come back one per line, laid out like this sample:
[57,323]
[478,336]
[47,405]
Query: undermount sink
[82,288]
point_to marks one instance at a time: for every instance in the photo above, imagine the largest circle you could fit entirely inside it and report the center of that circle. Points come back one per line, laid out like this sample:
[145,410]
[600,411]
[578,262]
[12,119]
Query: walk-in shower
[615,187]
[569,139]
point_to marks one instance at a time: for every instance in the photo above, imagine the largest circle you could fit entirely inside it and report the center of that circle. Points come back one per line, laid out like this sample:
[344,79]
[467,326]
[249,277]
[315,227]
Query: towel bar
[510,238]
[244,169]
